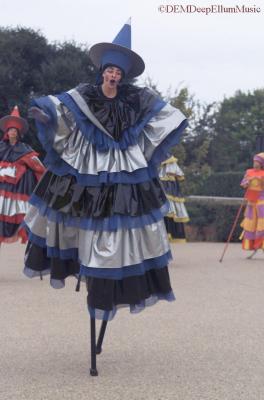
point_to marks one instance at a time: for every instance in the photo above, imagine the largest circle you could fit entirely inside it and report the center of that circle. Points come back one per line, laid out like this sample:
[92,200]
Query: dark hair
[99,78]
[5,135]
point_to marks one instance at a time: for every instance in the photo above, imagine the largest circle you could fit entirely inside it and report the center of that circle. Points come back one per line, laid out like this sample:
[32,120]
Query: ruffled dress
[20,169]
[253,222]
[98,211]
[171,175]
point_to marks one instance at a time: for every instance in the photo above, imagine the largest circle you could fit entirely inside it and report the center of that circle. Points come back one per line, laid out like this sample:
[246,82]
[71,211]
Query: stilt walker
[253,222]
[98,212]
[171,175]
[20,169]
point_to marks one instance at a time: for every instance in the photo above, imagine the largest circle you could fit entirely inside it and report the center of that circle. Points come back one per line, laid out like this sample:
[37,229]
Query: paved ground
[206,345]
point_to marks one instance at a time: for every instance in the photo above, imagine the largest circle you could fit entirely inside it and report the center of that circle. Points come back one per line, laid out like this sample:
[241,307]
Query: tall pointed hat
[14,121]
[118,53]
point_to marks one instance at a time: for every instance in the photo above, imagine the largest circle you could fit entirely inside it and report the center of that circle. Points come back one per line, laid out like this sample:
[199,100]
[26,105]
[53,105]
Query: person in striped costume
[171,175]
[20,169]
[97,213]
[253,222]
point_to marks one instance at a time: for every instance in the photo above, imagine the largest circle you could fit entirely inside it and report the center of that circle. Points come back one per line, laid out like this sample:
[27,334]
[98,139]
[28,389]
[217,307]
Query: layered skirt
[75,230]
[253,226]
[97,213]
[14,205]
[171,176]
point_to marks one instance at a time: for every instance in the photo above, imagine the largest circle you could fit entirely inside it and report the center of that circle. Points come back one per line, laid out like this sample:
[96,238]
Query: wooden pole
[231,232]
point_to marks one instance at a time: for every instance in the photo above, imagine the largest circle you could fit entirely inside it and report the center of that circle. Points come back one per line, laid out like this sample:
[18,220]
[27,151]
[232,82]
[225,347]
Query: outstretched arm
[38,115]
[245,182]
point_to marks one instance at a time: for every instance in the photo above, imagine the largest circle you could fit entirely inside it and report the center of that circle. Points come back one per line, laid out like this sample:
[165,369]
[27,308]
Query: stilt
[93,370]
[101,337]
[252,255]
[232,230]
[96,348]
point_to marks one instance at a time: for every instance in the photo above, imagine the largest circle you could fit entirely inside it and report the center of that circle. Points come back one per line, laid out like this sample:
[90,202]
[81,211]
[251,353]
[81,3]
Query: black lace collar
[125,110]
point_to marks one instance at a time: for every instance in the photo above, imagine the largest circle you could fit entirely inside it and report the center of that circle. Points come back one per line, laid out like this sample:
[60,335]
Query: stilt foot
[99,350]
[252,255]
[93,372]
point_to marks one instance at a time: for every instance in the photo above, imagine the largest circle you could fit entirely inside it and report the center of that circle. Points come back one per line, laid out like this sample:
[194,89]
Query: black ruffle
[122,112]
[8,229]
[105,294]
[63,194]
[172,188]
[25,185]
[175,229]
[37,260]
[13,153]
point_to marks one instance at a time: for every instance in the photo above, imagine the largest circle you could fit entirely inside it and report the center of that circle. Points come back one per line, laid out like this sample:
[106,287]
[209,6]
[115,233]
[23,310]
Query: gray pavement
[206,345]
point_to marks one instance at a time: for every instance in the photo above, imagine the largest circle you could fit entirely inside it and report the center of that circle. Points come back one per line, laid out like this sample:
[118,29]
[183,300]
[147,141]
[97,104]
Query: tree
[192,152]
[68,65]
[30,66]
[22,52]
[186,102]
[238,122]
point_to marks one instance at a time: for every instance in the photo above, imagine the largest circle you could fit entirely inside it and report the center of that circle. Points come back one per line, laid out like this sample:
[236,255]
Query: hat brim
[11,121]
[96,52]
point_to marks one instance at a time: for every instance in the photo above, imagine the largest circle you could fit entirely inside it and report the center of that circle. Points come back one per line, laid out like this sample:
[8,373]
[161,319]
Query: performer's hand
[244,185]
[39,115]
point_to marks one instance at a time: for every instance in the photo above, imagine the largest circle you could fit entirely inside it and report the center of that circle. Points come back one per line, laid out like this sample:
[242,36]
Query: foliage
[69,65]
[22,52]
[30,66]
[221,138]
[214,221]
[225,184]
[238,122]
[192,152]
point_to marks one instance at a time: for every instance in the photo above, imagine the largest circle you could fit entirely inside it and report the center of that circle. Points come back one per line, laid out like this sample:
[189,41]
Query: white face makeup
[112,76]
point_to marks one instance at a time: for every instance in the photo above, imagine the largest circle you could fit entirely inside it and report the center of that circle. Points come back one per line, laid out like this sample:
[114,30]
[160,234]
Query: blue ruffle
[163,151]
[61,168]
[101,140]
[55,283]
[99,224]
[126,271]
[46,135]
[94,135]
[106,273]
[38,240]
[64,254]
[134,308]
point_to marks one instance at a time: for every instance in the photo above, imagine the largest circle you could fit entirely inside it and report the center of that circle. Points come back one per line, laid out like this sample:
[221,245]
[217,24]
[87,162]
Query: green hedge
[213,222]
[225,184]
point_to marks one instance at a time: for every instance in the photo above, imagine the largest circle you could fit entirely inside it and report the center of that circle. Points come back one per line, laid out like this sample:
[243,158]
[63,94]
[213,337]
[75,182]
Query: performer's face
[12,134]
[112,76]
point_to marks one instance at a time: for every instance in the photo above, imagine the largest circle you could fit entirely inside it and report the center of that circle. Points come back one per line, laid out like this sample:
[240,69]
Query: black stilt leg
[93,370]
[101,337]
[252,255]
